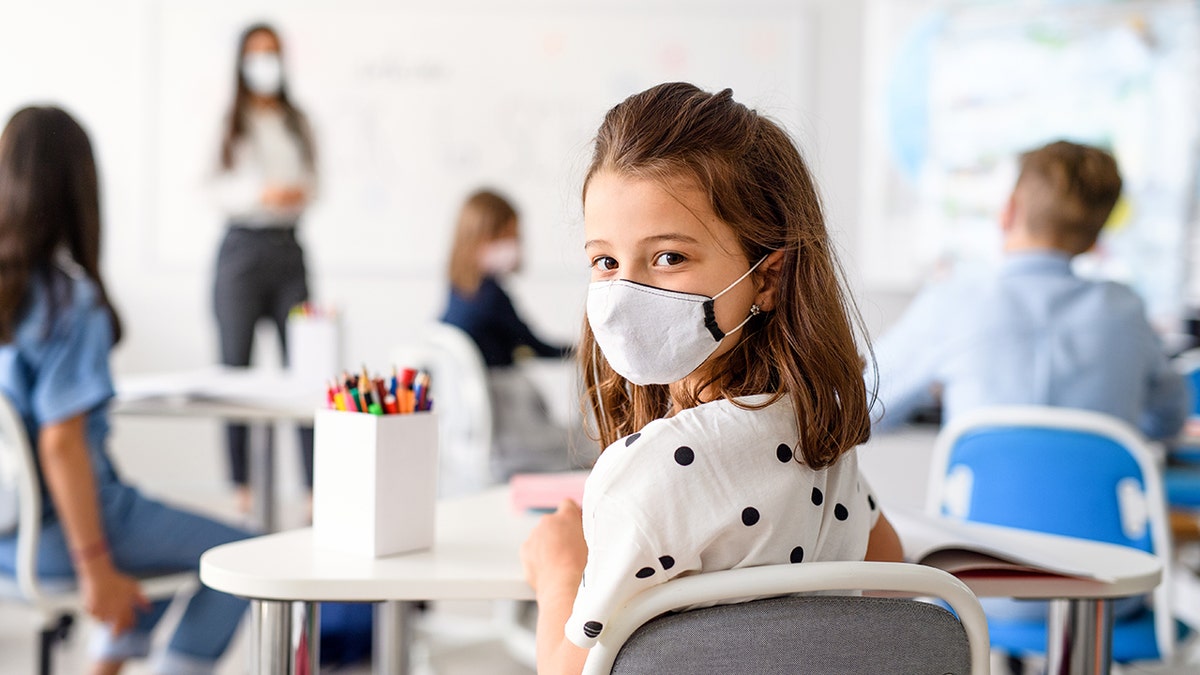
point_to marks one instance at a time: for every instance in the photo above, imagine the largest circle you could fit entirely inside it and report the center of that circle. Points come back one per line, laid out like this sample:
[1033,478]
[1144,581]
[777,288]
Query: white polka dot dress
[715,487]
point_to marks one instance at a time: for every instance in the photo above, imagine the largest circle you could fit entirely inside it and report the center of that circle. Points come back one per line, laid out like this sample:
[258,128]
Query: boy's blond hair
[1068,191]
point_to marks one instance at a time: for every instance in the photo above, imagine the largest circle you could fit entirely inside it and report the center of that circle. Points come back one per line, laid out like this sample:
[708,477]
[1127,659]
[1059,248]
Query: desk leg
[392,645]
[262,475]
[1079,637]
[285,637]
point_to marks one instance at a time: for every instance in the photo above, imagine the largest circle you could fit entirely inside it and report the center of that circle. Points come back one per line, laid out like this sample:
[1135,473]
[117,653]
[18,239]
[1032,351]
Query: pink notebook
[543,492]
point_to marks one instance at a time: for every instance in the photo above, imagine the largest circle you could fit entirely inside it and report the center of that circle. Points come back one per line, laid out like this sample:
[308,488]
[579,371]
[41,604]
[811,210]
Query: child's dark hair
[760,186]
[49,202]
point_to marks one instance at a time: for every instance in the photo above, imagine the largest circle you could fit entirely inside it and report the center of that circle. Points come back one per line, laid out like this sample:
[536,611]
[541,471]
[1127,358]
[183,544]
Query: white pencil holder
[374,482]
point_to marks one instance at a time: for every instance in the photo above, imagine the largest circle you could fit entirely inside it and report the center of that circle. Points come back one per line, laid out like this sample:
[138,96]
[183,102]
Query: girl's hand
[555,552]
[111,597]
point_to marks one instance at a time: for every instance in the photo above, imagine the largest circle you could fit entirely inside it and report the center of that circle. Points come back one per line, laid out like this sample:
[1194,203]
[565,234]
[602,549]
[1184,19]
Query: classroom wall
[106,62]
[102,62]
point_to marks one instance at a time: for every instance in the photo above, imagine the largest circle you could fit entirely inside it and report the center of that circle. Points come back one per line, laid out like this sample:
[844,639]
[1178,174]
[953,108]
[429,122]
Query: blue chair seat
[1183,487]
[1133,638]
[1188,454]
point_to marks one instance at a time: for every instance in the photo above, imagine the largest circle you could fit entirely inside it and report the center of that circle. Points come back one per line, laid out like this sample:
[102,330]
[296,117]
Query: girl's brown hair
[49,202]
[759,185]
[235,121]
[482,218]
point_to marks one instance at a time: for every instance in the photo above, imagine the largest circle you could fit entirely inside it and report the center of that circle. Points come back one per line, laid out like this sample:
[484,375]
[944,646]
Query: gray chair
[55,602]
[790,635]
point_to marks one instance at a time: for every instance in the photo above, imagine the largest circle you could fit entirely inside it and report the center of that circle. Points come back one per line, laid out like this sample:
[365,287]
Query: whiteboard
[414,108]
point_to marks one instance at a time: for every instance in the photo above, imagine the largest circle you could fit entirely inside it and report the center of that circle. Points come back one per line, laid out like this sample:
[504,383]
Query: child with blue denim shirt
[57,328]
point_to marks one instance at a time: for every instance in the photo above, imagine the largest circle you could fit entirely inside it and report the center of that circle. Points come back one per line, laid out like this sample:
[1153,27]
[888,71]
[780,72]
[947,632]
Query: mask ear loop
[755,310]
[739,279]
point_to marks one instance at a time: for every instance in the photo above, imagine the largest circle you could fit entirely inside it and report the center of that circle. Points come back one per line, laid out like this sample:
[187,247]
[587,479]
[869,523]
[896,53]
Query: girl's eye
[668,259]
[604,263]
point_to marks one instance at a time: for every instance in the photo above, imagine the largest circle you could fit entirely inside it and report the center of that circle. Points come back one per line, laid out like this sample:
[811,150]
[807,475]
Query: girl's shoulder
[720,427]
[57,298]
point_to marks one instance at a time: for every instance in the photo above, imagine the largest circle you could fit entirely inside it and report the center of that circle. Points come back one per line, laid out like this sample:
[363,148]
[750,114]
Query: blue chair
[1182,475]
[1062,471]
[1188,365]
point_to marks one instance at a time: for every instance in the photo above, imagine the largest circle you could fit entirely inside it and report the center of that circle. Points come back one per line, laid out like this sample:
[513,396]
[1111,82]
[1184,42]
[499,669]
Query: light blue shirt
[1033,334]
[56,366]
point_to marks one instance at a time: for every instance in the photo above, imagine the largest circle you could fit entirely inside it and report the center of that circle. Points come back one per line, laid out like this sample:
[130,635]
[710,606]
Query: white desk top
[239,394]
[476,556]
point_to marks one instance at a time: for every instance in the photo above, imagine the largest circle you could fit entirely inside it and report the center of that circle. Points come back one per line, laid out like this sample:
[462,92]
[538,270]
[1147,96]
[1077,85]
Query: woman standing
[267,177]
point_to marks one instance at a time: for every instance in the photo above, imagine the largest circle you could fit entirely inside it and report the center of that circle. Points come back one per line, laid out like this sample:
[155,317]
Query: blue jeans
[145,536]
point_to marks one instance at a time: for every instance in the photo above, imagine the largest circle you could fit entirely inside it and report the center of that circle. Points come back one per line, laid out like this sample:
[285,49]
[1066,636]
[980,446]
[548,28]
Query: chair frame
[437,340]
[773,580]
[1087,421]
[55,602]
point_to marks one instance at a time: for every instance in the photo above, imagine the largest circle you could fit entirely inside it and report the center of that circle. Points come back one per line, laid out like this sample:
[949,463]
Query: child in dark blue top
[56,331]
[486,247]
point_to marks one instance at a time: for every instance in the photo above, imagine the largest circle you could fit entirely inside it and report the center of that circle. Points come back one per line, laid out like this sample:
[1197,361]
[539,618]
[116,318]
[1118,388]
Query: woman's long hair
[49,203]
[759,185]
[235,121]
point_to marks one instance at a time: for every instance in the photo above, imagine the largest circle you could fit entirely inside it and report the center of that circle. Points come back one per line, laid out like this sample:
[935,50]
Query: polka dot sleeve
[872,501]
[622,562]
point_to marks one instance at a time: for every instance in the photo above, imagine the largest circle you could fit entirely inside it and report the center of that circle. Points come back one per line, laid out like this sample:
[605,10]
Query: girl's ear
[768,280]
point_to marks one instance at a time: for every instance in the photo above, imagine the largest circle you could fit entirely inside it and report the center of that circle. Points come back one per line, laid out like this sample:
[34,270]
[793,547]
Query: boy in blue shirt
[1034,333]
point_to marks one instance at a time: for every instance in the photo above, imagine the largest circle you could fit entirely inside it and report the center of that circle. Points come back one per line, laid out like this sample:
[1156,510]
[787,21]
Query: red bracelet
[93,550]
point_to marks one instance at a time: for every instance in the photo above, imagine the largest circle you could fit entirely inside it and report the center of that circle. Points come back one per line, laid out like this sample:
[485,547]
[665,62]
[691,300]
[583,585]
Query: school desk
[476,556]
[256,397]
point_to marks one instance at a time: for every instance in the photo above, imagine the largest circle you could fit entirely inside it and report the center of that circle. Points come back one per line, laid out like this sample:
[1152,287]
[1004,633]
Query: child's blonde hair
[1068,191]
[759,185]
[482,218]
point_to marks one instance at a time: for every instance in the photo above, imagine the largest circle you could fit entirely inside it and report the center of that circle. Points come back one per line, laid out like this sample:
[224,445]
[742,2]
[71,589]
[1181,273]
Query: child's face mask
[500,257]
[653,335]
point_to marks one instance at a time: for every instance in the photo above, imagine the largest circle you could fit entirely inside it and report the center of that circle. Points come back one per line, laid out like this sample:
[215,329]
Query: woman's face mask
[263,73]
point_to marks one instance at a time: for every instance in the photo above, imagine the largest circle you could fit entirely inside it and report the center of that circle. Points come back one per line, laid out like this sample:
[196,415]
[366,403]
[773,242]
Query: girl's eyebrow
[670,236]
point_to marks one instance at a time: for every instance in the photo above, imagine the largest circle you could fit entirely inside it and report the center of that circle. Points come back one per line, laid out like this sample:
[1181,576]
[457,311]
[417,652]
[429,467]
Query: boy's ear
[768,276]
[1008,214]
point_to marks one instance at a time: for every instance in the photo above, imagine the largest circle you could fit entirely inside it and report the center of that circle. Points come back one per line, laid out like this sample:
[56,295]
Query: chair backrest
[460,394]
[1063,471]
[21,495]
[798,634]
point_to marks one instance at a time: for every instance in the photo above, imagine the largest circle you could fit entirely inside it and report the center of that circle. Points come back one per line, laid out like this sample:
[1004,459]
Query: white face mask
[500,257]
[263,72]
[653,335]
